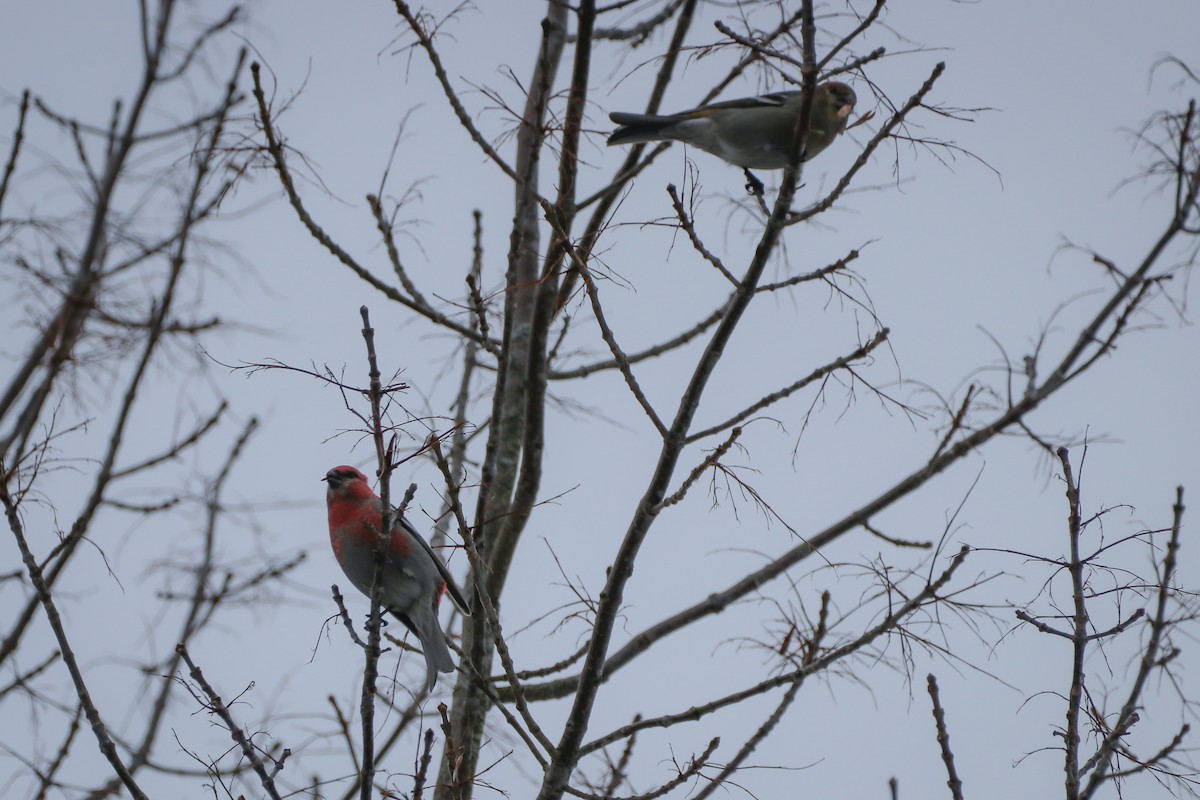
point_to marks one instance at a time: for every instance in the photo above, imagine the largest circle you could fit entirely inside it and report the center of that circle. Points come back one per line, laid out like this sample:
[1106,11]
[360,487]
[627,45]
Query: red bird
[413,577]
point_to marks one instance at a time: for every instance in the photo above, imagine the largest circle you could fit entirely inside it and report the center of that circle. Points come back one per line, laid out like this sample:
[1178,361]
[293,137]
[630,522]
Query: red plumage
[413,577]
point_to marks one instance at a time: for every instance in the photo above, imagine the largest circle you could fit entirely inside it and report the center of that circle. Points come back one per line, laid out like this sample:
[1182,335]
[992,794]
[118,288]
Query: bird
[752,133]
[413,576]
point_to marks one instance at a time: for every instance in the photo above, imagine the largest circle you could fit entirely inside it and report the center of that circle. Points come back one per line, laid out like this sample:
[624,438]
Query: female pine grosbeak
[413,577]
[752,133]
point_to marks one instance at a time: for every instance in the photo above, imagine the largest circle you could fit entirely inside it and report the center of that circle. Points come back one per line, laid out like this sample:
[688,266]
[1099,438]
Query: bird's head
[348,482]
[840,97]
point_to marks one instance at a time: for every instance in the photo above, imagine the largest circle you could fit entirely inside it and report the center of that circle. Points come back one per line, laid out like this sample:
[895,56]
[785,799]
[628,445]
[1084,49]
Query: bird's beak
[845,111]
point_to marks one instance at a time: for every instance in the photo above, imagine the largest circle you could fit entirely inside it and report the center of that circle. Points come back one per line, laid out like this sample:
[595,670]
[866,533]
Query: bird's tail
[637,128]
[433,645]
[437,656]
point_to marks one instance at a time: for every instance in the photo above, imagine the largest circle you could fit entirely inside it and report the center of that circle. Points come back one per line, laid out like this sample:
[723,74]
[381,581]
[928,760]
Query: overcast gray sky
[953,255]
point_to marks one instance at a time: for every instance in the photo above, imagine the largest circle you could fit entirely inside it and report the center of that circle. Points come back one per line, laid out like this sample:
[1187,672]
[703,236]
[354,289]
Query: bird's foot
[753,185]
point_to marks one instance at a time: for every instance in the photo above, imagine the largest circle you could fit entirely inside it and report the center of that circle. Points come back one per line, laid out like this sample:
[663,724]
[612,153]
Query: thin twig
[774,397]
[217,706]
[689,228]
[811,665]
[943,739]
[710,461]
[464,119]
[279,161]
[478,570]
[618,354]
[697,763]
[18,138]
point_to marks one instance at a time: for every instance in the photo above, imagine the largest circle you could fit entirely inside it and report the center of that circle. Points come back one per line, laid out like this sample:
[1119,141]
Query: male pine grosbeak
[752,133]
[413,577]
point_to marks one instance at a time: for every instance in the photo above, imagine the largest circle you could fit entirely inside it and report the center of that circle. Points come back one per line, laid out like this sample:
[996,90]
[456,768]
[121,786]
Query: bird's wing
[630,118]
[772,100]
[451,587]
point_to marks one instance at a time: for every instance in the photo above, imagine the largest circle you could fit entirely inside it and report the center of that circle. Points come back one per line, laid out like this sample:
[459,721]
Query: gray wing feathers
[451,587]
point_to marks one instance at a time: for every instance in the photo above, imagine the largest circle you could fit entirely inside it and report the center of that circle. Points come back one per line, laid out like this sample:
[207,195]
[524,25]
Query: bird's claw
[753,185]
